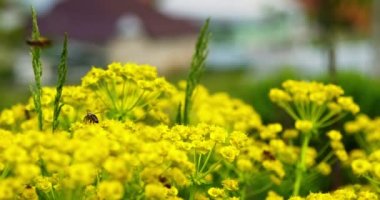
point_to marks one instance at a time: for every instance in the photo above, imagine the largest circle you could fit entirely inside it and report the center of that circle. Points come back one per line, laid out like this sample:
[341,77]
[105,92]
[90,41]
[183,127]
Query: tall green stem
[62,73]
[301,165]
[37,69]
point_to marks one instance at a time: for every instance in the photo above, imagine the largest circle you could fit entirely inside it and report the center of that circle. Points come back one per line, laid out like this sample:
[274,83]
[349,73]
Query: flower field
[126,133]
[119,137]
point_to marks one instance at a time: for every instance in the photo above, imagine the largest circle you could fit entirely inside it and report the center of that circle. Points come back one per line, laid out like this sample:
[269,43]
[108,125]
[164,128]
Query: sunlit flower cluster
[118,138]
[313,105]
[365,162]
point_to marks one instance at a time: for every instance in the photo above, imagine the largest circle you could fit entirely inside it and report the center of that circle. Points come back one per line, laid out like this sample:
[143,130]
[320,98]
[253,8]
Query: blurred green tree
[333,17]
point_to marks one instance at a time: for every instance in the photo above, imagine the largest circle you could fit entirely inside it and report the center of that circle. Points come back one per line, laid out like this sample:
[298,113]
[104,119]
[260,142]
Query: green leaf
[179,114]
[196,69]
[37,69]
[62,73]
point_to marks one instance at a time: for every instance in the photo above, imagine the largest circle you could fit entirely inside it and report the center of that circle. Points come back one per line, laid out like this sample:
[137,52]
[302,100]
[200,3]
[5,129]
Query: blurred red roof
[95,20]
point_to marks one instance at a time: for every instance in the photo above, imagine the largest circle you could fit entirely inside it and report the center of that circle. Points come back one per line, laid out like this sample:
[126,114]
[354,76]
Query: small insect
[268,155]
[40,42]
[164,181]
[91,118]
[27,114]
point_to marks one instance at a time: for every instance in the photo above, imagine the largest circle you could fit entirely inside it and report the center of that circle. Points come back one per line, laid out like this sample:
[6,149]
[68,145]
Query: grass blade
[37,69]
[62,73]
[196,69]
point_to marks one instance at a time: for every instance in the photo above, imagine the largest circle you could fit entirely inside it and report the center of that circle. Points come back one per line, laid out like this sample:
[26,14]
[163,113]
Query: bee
[40,42]
[267,155]
[91,118]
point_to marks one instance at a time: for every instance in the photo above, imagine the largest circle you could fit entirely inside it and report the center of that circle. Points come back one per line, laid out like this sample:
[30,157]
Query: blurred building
[122,31]
[261,35]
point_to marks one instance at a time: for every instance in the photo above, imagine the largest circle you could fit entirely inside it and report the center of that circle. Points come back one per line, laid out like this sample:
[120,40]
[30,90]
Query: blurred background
[256,44]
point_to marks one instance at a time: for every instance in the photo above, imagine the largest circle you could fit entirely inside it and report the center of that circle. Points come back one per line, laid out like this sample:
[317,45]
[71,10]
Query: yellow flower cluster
[121,88]
[337,145]
[118,138]
[366,131]
[111,153]
[353,192]
[365,162]
[133,149]
[313,105]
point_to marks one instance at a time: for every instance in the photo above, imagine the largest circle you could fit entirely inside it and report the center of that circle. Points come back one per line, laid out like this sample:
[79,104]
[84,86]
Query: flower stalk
[37,69]
[301,165]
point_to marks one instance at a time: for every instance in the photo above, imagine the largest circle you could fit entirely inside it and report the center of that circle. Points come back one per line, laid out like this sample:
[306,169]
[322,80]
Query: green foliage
[62,72]
[196,69]
[37,69]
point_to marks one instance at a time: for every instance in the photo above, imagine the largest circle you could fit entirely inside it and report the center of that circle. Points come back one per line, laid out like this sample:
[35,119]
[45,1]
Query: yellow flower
[342,155]
[277,145]
[275,166]
[116,167]
[366,195]
[81,174]
[376,170]
[273,196]
[324,168]
[318,97]
[334,135]
[290,134]
[7,117]
[230,184]
[27,171]
[216,192]
[270,131]
[178,177]
[110,190]
[238,139]
[244,165]
[345,193]
[29,193]
[229,153]
[43,184]
[279,96]
[320,196]
[154,191]
[374,156]
[360,166]
[348,104]
[218,134]
[304,125]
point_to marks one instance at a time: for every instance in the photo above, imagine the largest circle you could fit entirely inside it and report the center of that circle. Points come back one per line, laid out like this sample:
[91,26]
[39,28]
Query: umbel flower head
[313,105]
[121,88]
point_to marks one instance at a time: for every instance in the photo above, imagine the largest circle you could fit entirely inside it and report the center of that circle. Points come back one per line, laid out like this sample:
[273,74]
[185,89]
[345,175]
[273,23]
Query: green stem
[323,150]
[6,171]
[212,168]
[332,121]
[52,194]
[62,73]
[199,162]
[192,192]
[195,162]
[109,94]
[37,69]
[301,165]
[260,190]
[208,157]
[374,183]
[362,143]
[289,110]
